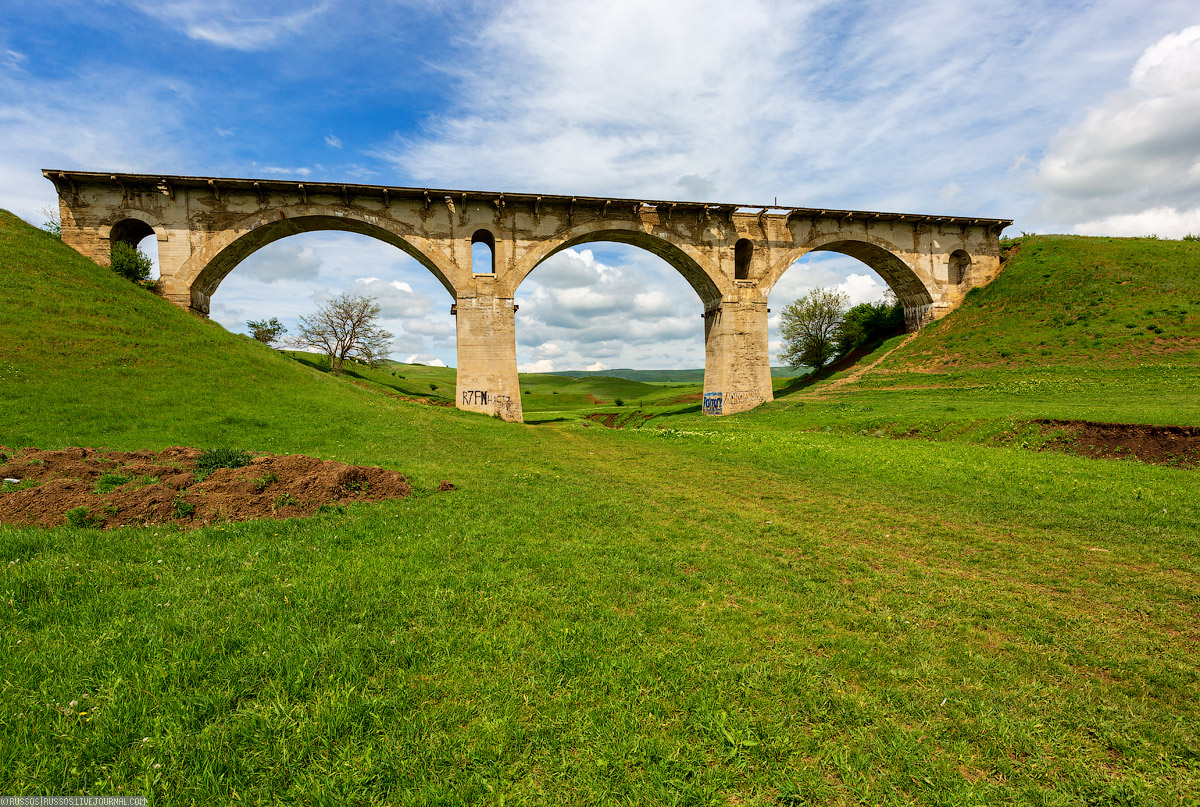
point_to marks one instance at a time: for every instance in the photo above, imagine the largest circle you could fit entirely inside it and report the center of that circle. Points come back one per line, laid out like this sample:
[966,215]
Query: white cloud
[275,169]
[425,327]
[286,260]
[1135,159]
[1166,222]
[630,309]
[224,132]
[12,59]
[428,359]
[396,298]
[333,141]
[597,367]
[229,24]
[539,366]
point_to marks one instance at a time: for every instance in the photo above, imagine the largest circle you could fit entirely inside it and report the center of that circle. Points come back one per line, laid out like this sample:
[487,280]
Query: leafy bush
[107,483]
[182,509]
[80,517]
[215,458]
[869,321]
[264,481]
[130,262]
[619,401]
[267,331]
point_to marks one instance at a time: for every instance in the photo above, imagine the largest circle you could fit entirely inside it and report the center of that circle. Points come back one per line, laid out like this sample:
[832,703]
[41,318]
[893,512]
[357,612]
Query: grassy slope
[733,610]
[1050,337]
[1072,301]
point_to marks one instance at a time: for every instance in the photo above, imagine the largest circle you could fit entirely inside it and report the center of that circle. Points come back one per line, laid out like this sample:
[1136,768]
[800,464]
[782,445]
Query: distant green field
[876,592]
[695,376]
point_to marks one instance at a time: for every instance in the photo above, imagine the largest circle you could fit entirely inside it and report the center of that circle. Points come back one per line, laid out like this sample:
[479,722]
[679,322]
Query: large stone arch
[911,289]
[709,284]
[212,261]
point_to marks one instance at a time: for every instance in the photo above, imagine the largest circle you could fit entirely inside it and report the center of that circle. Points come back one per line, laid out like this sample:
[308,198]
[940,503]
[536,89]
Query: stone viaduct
[732,255]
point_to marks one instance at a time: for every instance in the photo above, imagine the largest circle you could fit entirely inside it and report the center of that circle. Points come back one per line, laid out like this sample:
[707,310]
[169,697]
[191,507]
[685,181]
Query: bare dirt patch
[614,420]
[112,488]
[1163,445]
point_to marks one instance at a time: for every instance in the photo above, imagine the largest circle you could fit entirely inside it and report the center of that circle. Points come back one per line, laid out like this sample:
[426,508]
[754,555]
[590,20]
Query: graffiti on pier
[744,399]
[474,397]
[504,405]
[718,403]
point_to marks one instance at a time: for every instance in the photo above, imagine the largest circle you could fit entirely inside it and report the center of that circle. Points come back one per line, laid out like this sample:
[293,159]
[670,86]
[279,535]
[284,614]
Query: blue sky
[1066,116]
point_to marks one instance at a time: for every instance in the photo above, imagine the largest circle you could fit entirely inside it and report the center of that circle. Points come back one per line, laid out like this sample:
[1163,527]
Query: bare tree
[346,327]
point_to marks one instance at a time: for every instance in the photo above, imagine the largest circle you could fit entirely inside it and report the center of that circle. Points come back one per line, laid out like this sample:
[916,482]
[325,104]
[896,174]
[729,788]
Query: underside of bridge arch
[225,261]
[130,231]
[693,273]
[899,276]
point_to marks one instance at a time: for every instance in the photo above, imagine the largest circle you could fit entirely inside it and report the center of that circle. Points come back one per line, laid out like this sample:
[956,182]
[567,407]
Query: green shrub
[264,481]
[80,517]
[285,499]
[182,509]
[619,401]
[869,321]
[215,458]
[107,483]
[130,262]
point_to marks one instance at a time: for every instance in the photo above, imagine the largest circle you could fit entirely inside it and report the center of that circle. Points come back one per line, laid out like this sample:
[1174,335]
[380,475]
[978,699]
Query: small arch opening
[960,265]
[138,236]
[483,252]
[743,252]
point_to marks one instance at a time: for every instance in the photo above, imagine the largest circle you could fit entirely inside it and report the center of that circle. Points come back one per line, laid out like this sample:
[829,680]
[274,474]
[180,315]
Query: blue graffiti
[712,402]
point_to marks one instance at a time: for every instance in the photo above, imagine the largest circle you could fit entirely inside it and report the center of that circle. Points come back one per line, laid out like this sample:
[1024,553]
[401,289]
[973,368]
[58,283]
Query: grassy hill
[1073,300]
[785,607]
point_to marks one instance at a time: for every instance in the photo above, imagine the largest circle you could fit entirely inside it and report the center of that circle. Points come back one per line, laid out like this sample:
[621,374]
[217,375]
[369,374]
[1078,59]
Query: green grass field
[790,606]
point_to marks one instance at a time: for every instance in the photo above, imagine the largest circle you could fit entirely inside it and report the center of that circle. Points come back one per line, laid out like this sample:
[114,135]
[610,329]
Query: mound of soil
[116,488]
[1164,445]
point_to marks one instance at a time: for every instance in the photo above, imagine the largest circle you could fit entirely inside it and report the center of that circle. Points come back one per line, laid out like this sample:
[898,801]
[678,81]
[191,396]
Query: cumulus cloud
[539,366]
[632,308]
[396,298]
[426,327]
[1134,161]
[284,261]
[1162,221]
[427,359]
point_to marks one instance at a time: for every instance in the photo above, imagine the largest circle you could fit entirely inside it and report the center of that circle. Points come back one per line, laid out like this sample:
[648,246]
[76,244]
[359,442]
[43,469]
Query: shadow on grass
[847,362]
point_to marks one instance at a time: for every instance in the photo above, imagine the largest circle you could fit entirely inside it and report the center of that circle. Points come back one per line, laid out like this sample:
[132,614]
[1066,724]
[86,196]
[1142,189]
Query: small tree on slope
[346,327]
[809,327]
[267,331]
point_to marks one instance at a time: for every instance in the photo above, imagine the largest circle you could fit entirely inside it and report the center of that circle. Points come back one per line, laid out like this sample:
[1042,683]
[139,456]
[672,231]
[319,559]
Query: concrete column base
[487,358]
[737,364]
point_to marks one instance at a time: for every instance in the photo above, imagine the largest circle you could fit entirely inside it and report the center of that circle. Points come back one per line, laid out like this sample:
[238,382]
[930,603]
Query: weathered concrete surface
[732,255]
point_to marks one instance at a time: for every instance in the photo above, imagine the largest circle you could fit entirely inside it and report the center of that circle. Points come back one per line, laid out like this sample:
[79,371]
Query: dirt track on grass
[147,487]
